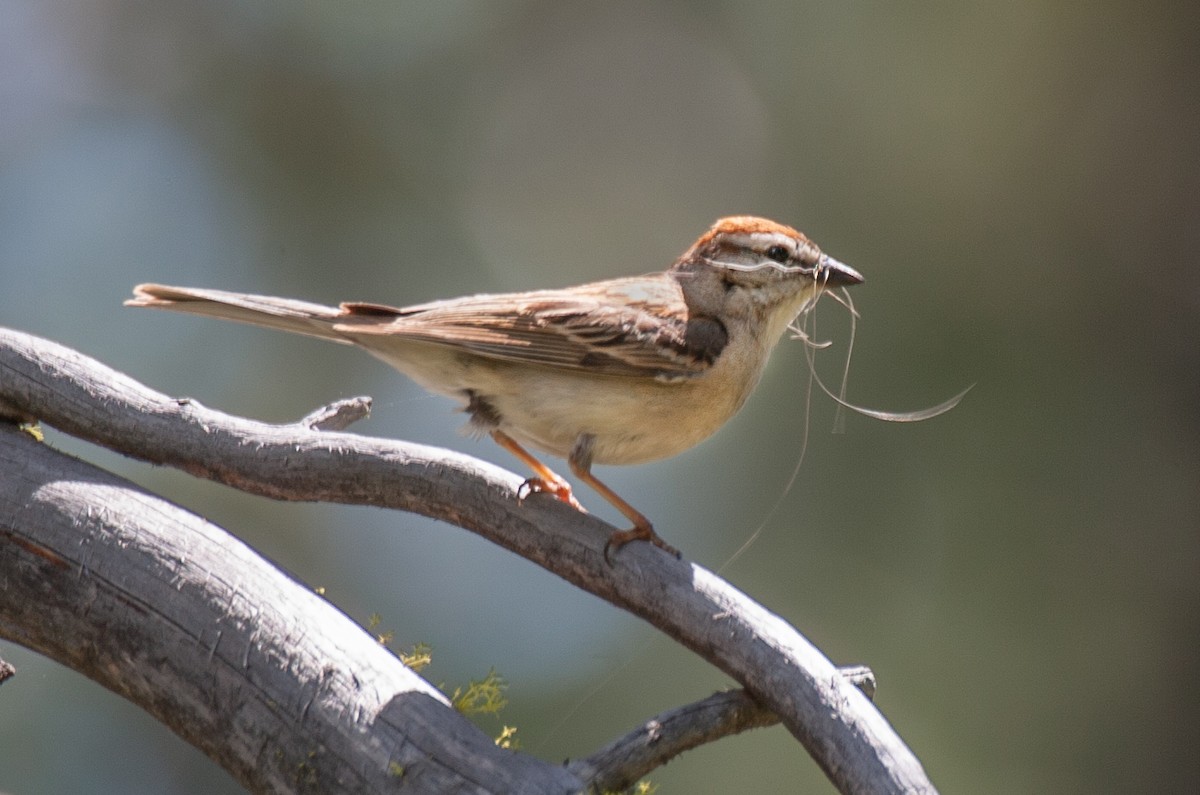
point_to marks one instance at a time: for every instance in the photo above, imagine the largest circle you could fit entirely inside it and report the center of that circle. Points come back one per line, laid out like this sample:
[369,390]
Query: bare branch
[841,729]
[623,762]
[267,678]
[338,415]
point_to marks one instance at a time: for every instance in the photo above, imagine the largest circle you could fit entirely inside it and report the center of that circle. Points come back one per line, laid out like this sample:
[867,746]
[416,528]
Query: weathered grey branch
[270,680]
[338,415]
[841,729]
[623,762]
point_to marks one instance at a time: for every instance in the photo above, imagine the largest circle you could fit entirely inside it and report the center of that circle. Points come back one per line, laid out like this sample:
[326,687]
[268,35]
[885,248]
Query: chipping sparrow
[614,372]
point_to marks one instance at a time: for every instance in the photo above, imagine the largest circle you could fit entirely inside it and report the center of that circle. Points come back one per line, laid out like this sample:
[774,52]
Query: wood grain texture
[46,507]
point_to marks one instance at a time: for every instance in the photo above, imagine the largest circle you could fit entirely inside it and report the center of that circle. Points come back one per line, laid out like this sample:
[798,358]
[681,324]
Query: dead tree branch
[779,668]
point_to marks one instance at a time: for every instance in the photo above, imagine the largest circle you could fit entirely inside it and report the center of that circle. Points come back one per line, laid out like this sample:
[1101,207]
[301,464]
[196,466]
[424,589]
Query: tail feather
[284,314]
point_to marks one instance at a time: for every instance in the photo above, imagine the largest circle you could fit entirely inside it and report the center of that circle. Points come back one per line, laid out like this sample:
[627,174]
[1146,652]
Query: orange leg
[544,478]
[642,530]
[580,462]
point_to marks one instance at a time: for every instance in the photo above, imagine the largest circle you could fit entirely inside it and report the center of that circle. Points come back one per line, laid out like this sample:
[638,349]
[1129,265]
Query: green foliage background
[1018,182]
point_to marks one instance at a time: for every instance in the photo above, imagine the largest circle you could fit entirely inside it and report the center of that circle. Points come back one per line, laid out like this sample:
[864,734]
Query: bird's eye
[778,254]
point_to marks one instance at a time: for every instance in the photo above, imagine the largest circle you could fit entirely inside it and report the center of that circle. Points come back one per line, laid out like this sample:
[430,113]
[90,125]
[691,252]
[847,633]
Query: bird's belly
[631,421]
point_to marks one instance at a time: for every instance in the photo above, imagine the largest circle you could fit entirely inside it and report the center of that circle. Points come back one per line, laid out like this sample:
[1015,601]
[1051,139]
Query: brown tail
[285,314]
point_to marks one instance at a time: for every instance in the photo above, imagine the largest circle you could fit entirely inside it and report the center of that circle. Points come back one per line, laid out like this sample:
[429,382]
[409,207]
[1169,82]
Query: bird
[616,372]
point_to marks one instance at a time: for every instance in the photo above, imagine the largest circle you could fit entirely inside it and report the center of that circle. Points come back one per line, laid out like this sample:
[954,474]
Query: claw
[580,462]
[646,533]
[559,488]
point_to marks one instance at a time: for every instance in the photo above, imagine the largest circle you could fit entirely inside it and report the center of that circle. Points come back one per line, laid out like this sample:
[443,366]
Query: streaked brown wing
[636,326]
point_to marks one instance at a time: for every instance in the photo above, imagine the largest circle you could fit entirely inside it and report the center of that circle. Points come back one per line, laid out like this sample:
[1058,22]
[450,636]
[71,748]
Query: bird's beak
[832,273]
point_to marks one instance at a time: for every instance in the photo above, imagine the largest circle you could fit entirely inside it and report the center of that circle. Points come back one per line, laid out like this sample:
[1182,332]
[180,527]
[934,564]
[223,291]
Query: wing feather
[636,327]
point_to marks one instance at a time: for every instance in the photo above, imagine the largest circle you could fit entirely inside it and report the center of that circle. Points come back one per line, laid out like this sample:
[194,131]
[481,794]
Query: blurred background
[1019,183]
